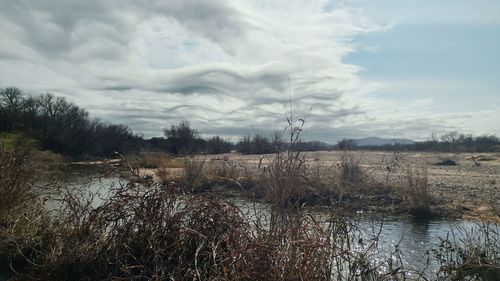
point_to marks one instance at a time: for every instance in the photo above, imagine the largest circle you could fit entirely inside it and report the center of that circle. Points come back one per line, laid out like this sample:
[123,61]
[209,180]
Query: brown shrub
[149,160]
[193,174]
[415,191]
[350,171]
[470,254]
[16,172]
[146,231]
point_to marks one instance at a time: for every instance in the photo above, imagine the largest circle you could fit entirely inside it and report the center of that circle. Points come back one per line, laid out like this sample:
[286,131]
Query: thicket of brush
[448,142]
[150,231]
[346,184]
[145,231]
[61,126]
[470,254]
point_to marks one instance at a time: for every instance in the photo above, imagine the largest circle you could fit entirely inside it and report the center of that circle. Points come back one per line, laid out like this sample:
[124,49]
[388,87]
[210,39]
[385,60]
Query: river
[414,238]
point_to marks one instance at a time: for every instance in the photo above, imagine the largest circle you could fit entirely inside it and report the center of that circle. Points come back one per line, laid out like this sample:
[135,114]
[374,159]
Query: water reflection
[414,238]
[85,184]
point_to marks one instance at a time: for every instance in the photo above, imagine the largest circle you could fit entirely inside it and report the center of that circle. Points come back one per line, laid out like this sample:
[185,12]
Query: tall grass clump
[416,193]
[149,231]
[225,169]
[470,254]
[350,171]
[355,187]
[193,174]
[284,180]
[164,175]
[284,175]
[304,247]
[149,160]
[143,232]
[348,177]
[16,171]
[21,212]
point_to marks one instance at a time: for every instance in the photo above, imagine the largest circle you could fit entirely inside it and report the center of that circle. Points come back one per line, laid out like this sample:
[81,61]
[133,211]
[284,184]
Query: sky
[350,68]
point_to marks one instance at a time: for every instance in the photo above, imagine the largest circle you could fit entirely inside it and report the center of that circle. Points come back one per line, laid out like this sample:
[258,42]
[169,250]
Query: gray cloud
[227,66]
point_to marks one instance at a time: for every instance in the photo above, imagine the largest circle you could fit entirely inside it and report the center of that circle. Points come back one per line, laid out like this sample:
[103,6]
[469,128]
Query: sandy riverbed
[471,188]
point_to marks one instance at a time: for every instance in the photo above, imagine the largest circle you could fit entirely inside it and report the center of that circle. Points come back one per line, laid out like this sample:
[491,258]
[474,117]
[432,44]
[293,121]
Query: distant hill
[375,141]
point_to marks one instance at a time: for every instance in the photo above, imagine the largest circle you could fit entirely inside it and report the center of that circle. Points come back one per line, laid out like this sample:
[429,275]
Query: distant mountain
[375,141]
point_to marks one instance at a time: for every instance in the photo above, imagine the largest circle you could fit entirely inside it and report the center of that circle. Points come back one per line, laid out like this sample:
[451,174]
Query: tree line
[182,139]
[457,142]
[63,127]
[448,142]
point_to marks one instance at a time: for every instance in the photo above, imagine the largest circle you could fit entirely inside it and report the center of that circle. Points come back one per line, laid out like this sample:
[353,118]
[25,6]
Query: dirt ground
[470,189]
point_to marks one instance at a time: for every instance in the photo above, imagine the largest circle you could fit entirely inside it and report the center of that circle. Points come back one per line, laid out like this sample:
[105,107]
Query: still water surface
[414,238]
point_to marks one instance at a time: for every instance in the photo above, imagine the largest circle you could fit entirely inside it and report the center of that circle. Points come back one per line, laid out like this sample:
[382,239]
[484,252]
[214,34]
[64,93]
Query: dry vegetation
[470,254]
[175,230]
[380,182]
[346,185]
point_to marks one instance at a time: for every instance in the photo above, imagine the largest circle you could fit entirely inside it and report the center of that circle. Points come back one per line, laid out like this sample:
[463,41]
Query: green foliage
[10,141]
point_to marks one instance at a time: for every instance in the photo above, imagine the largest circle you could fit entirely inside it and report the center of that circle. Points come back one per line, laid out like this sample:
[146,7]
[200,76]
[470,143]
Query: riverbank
[468,190]
[177,228]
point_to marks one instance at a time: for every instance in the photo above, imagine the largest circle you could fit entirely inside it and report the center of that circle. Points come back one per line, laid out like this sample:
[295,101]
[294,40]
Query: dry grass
[147,231]
[16,172]
[164,175]
[162,163]
[415,192]
[21,209]
[194,175]
[150,160]
[150,232]
[470,254]
[350,171]
[225,169]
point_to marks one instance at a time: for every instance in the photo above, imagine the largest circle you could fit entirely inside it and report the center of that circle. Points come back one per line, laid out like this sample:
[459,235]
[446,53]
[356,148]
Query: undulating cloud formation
[230,67]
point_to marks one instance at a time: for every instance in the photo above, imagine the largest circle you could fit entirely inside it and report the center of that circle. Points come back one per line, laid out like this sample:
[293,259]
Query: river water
[414,238]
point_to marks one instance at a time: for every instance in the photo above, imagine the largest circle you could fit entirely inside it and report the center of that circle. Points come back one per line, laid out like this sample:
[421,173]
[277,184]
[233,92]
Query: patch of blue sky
[454,64]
